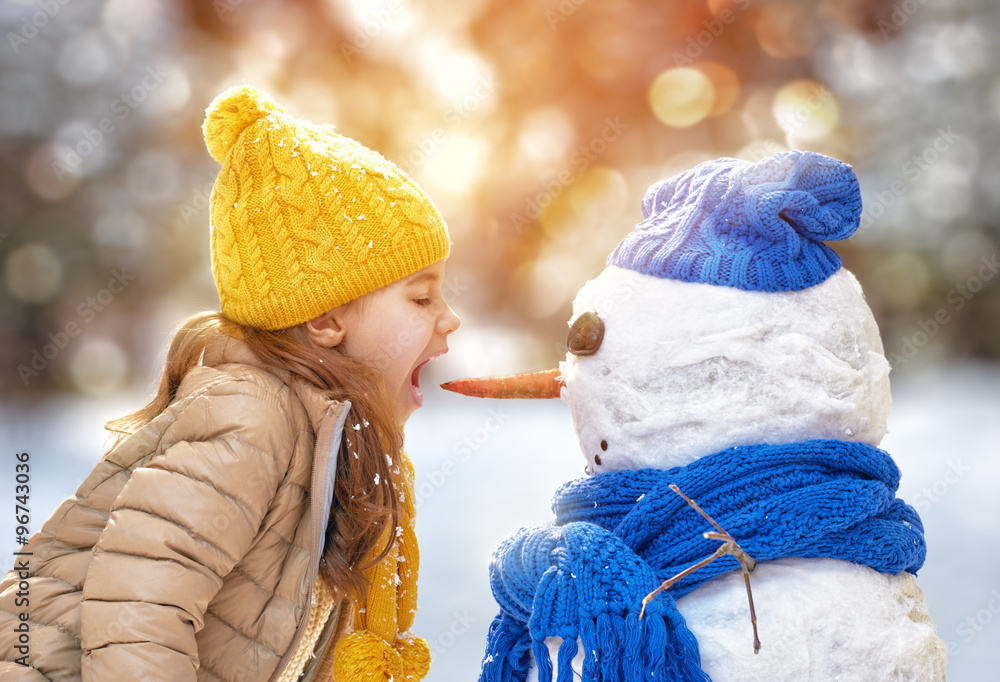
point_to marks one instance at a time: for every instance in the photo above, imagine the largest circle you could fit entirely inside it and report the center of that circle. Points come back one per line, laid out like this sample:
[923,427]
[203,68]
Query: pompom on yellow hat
[304,219]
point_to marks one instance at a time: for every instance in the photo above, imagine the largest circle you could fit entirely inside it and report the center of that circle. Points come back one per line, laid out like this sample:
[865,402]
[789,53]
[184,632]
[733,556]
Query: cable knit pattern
[619,535]
[752,226]
[304,219]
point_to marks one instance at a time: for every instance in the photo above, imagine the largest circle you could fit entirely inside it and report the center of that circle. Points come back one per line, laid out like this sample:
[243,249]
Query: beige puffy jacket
[190,551]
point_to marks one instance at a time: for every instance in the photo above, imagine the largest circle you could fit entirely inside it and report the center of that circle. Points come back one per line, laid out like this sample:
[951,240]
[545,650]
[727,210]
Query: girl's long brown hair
[361,510]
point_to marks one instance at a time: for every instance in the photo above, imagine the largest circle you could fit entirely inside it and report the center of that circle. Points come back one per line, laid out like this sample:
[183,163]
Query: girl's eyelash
[422,301]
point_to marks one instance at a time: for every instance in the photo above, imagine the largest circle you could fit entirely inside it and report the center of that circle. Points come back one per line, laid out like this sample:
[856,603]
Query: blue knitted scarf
[619,535]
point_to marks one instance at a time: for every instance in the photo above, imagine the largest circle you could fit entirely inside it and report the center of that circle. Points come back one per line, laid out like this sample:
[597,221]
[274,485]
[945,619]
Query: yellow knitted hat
[304,219]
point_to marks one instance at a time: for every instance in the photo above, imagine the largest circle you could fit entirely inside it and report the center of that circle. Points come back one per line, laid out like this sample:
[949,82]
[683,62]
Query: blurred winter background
[536,125]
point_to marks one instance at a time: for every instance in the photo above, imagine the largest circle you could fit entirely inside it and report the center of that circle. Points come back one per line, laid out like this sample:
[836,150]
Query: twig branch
[730,547]
[694,505]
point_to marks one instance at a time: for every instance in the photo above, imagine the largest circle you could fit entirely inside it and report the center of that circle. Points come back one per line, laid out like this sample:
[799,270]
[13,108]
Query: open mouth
[418,395]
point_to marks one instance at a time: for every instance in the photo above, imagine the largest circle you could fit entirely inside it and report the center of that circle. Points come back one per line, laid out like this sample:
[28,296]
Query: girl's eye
[422,302]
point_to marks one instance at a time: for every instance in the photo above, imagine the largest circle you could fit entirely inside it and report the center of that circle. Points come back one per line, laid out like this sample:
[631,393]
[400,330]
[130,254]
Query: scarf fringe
[624,648]
[567,652]
[508,651]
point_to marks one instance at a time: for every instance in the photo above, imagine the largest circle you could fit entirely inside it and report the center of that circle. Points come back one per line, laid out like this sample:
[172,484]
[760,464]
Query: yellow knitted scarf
[382,647]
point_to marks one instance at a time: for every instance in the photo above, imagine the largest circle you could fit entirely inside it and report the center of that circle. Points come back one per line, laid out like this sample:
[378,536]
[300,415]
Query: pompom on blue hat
[753,226]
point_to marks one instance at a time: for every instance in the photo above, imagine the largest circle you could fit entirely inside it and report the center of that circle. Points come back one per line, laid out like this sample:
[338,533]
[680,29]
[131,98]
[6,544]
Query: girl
[255,519]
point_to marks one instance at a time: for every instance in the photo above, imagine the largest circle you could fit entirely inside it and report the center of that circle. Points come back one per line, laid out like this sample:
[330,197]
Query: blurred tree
[536,125]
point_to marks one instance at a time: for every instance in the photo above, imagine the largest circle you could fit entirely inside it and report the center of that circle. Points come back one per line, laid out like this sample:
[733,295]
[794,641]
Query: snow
[818,619]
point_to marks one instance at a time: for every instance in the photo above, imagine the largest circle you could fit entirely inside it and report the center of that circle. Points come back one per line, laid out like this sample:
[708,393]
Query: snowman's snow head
[727,320]
[687,369]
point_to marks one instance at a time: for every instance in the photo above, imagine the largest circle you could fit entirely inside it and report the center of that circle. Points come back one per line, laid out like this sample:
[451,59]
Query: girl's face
[400,328]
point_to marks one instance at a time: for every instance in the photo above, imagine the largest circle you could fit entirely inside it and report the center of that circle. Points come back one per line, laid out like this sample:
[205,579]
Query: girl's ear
[327,330]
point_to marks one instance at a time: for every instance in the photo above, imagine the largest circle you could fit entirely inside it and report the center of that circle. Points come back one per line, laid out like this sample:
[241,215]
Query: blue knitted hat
[753,226]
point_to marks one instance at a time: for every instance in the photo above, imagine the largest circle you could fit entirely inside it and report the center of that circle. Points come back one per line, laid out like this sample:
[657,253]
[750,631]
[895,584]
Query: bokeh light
[129,17]
[153,177]
[805,110]
[456,164]
[546,135]
[454,72]
[681,97]
[725,86]
[602,192]
[50,174]
[944,192]
[545,286]
[33,273]
[787,30]
[87,59]
[598,196]
[121,228]
[947,50]
[98,365]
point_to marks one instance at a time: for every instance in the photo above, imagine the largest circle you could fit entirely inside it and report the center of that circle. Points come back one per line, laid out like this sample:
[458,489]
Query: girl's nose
[449,321]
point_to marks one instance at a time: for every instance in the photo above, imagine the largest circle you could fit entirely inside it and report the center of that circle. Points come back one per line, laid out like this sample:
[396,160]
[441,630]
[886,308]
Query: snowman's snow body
[688,369]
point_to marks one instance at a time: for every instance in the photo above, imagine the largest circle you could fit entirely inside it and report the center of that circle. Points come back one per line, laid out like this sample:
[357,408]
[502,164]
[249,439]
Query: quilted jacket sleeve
[180,524]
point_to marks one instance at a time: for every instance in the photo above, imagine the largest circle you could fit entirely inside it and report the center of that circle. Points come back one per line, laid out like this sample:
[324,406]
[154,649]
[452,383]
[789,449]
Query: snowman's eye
[597,460]
[586,334]
[604,445]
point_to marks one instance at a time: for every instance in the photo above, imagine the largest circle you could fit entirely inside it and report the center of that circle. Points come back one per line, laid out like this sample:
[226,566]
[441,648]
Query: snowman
[725,354]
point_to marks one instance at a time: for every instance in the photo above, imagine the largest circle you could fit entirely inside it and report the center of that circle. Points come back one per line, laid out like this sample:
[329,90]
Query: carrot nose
[544,384]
